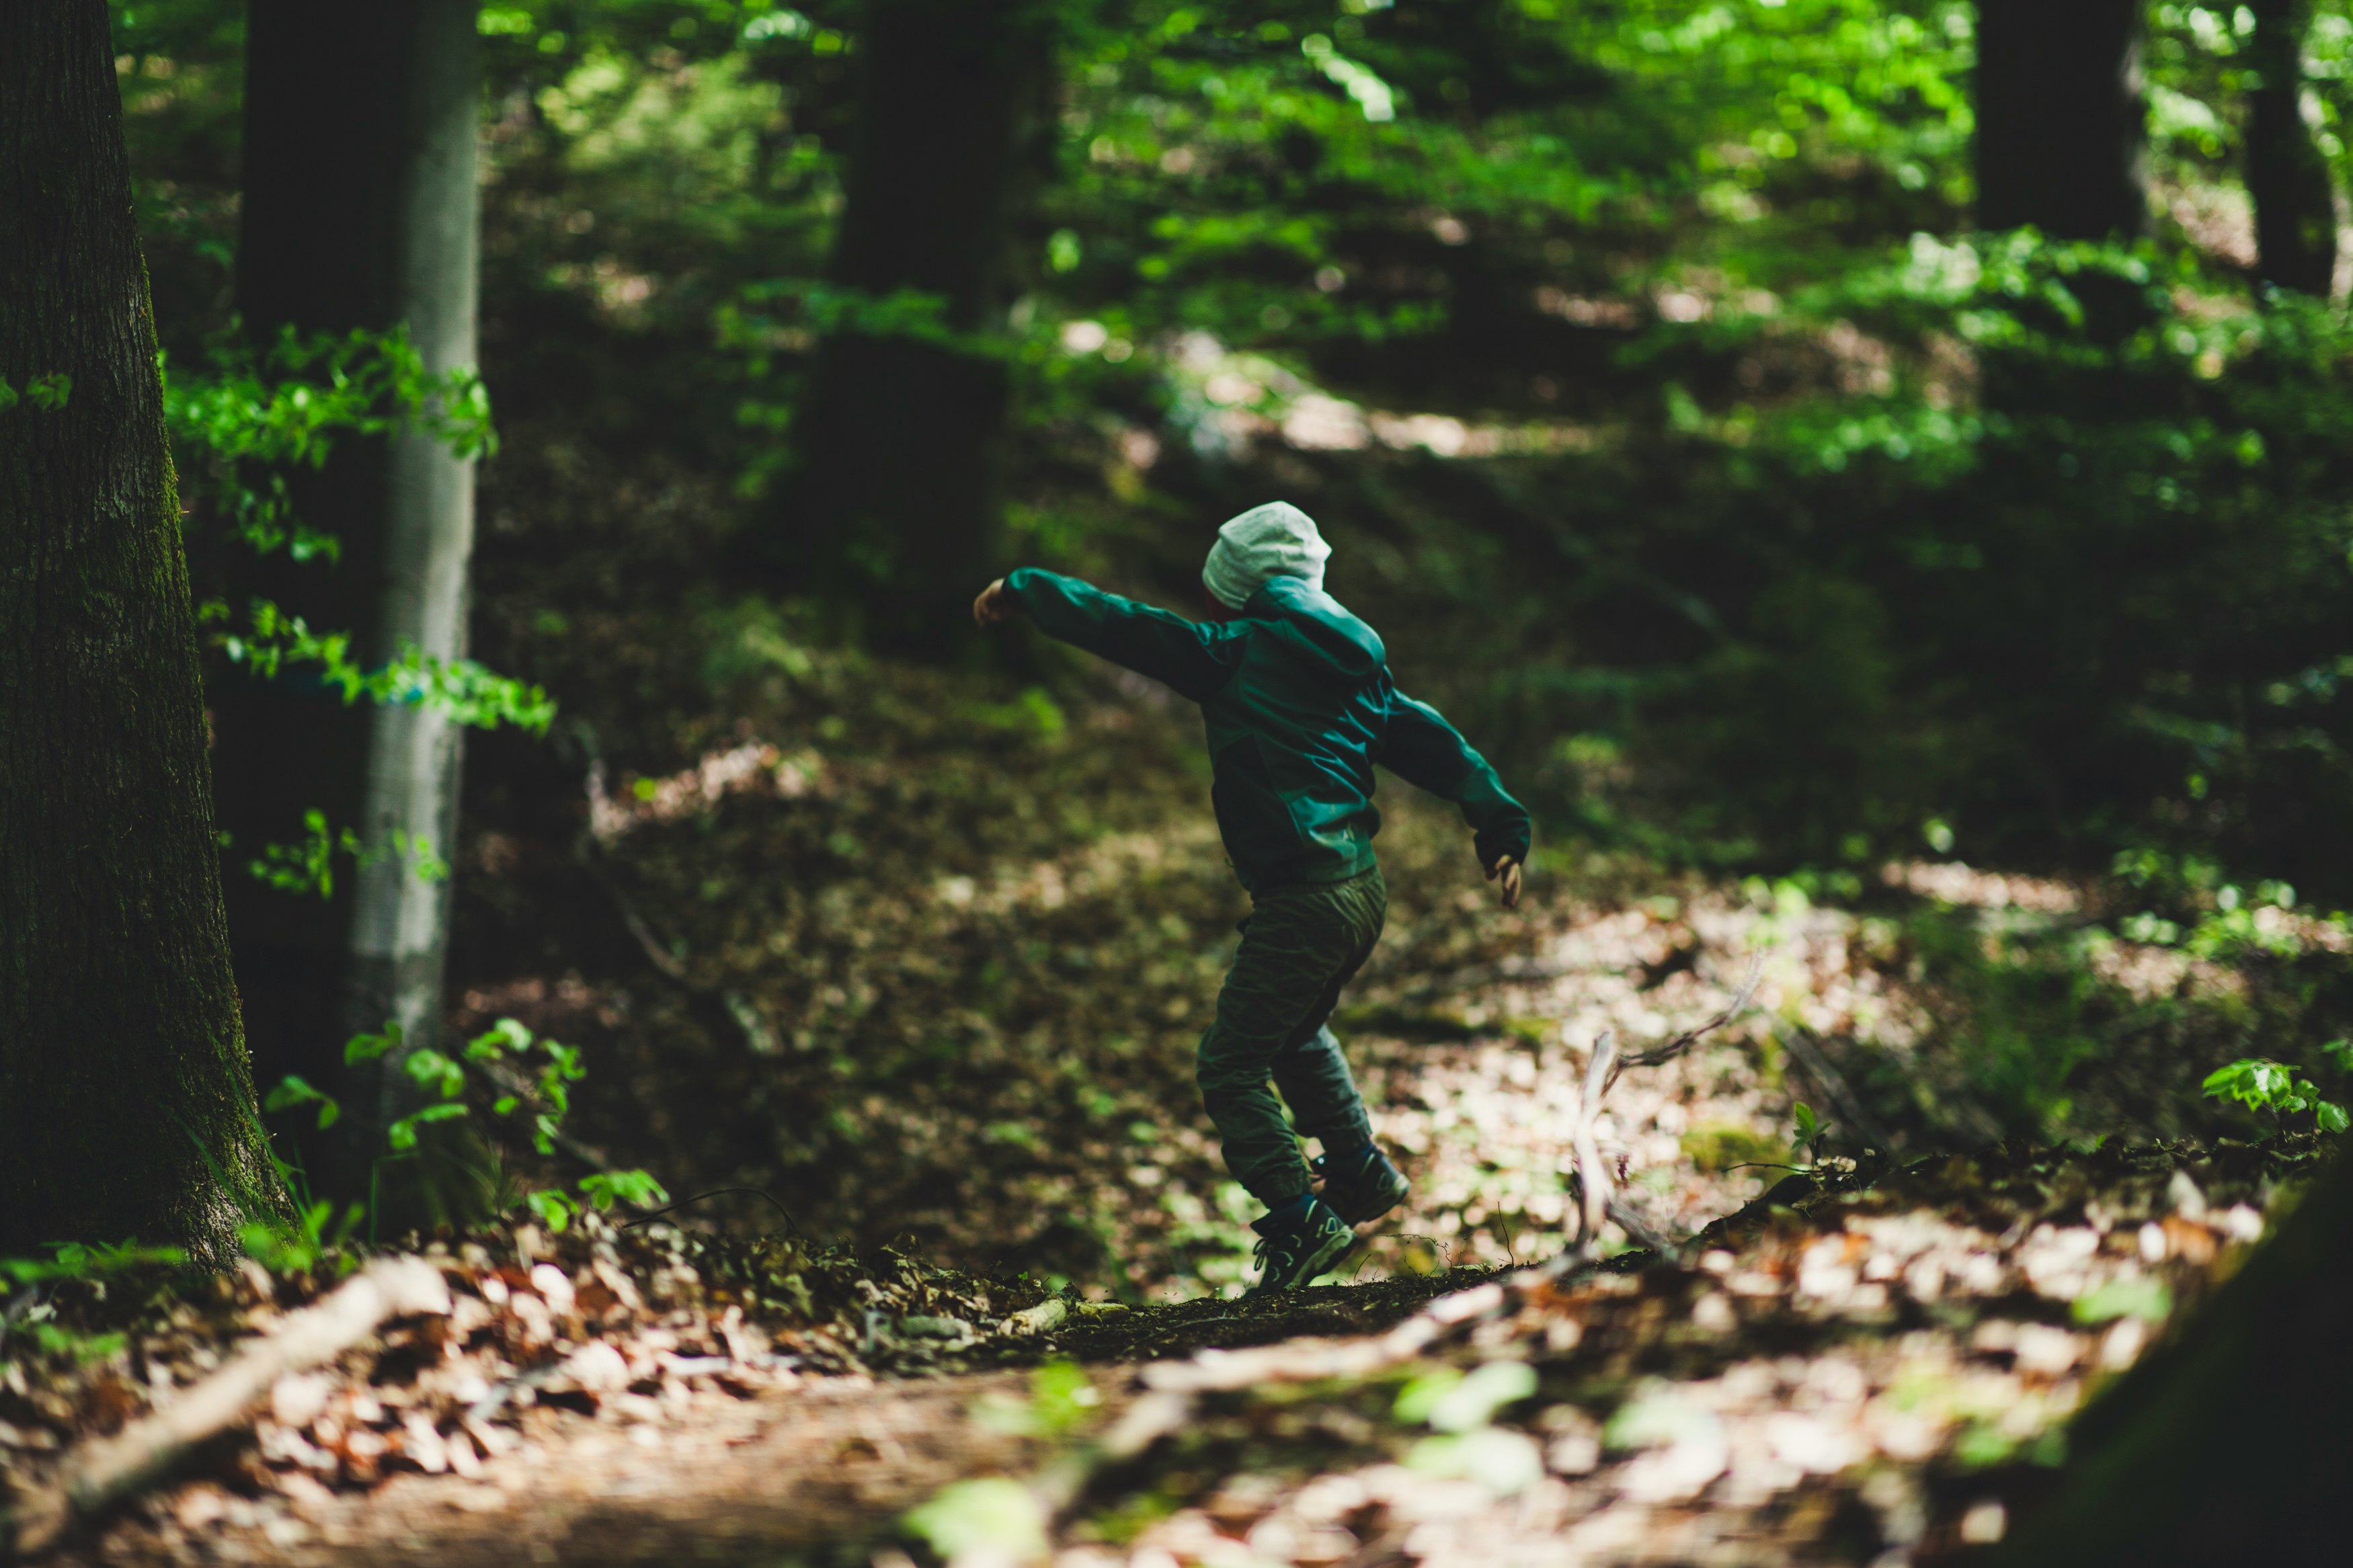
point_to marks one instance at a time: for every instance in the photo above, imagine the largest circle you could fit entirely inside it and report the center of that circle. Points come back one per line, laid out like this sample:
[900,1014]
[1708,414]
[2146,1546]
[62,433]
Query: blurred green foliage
[1672,420]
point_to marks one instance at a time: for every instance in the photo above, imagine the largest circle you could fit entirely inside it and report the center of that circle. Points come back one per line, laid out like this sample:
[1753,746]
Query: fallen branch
[1689,1037]
[102,1473]
[1597,1203]
[1591,1175]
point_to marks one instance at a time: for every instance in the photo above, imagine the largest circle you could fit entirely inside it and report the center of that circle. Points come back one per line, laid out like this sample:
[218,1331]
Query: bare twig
[104,1472]
[1689,1037]
[1590,1172]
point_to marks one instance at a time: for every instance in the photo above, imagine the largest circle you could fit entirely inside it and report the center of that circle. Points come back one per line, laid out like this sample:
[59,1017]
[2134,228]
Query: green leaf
[1459,1404]
[2138,1296]
[2253,1082]
[506,1035]
[293,1092]
[368,1048]
[1807,1126]
[431,1070]
[994,1516]
[402,1134]
[554,1208]
[2329,1115]
[635,1188]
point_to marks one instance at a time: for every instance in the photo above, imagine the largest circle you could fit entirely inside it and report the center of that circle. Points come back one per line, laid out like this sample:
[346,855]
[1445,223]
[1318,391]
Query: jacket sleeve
[1194,658]
[1422,748]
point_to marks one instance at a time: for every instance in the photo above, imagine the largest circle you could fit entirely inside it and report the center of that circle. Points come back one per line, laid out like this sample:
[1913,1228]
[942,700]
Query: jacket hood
[1320,626]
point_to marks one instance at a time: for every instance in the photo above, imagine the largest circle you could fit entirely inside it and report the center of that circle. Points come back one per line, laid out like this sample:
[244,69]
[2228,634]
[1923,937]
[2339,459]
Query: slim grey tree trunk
[360,211]
[126,1100]
[400,919]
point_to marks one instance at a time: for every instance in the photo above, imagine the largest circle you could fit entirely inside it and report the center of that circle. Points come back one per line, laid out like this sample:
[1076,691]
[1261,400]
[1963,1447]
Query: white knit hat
[1276,540]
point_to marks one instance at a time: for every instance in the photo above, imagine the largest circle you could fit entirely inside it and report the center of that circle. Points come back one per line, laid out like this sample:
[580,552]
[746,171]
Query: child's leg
[1311,1074]
[1299,944]
[1313,1080]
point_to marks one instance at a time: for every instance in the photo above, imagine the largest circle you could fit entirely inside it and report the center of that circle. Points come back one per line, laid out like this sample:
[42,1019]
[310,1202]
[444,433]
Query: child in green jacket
[1296,696]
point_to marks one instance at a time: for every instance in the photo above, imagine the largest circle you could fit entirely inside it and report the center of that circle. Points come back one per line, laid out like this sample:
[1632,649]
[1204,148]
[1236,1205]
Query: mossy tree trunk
[126,1099]
[2061,125]
[901,434]
[2296,205]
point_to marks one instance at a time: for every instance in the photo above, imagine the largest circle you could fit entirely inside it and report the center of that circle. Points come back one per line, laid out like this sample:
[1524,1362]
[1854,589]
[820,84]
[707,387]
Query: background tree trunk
[321,106]
[2228,1444]
[902,434]
[359,211]
[126,1099]
[2295,205]
[401,920]
[2061,124]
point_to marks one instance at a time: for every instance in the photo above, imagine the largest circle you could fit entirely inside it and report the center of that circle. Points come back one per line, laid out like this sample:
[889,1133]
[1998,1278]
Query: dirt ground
[1868,1373]
[1864,1362]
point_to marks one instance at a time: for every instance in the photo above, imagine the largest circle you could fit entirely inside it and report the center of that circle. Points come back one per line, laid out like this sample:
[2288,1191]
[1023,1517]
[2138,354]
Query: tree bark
[2228,1444]
[126,1099]
[2060,123]
[2296,205]
[359,211]
[401,920]
[901,434]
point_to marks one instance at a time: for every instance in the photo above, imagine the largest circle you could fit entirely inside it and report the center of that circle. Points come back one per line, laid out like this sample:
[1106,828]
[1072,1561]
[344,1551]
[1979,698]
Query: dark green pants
[1301,945]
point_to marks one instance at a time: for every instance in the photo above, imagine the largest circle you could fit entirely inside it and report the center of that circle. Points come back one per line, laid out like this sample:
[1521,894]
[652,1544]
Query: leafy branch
[2269,1085]
[307,865]
[468,692]
[494,1056]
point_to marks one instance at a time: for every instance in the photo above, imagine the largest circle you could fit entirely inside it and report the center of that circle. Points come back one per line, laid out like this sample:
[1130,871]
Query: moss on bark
[126,1099]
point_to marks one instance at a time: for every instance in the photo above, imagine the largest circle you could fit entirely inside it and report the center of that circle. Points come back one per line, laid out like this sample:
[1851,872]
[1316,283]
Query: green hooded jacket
[1296,696]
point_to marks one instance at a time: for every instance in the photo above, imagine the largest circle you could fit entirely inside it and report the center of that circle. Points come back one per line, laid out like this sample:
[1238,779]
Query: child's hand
[994,606]
[1509,871]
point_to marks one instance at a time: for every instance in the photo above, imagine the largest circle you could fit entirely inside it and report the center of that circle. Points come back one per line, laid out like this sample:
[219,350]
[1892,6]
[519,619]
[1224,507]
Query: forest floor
[1859,1373]
[1846,1365]
[919,960]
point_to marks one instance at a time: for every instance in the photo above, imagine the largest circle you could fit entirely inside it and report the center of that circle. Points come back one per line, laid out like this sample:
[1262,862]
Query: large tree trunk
[901,434]
[2295,206]
[359,211]
[2060,123]
[2229,1443]
[126,1099]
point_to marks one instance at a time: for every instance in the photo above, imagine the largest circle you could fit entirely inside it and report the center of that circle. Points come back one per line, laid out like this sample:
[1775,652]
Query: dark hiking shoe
[1291,1250]
[1360,1185]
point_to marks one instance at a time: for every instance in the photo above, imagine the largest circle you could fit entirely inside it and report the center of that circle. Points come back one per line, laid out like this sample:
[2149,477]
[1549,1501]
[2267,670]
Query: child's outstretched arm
[1422,748]
[1194,659]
